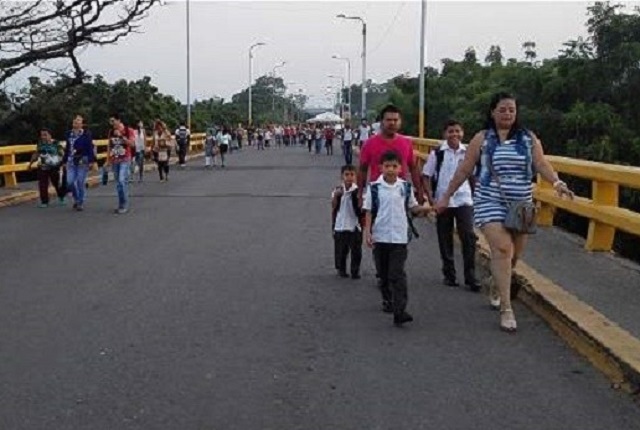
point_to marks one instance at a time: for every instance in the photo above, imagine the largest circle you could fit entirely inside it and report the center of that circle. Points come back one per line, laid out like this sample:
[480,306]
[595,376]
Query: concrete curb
[607,346]
[20,197]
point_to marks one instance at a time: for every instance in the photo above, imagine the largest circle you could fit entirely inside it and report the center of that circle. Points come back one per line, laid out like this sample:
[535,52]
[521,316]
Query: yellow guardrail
[9,167]
[602,209]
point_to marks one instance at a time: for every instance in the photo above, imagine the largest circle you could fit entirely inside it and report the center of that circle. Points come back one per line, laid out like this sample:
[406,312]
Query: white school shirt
[140,140]
[346,219]
[391,225]
[348,135]
[452,159]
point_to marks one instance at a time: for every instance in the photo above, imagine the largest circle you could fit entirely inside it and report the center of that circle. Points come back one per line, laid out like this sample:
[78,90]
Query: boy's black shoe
[474,286]
[387,308]
[343,274]
[451,282]
[355,276]
[402,318]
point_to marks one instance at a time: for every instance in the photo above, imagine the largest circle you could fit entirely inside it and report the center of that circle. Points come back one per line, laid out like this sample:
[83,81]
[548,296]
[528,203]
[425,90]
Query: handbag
[521,215]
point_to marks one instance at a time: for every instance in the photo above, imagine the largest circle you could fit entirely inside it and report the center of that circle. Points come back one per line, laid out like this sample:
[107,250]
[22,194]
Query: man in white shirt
[183,139]
[347,144]
[437,173]
[363,132]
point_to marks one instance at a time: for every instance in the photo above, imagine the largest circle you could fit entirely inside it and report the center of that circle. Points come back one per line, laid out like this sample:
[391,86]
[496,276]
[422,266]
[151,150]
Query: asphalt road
[214,305]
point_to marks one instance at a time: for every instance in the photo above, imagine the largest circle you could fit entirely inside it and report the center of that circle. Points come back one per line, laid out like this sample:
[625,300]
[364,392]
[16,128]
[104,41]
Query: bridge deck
[214,304]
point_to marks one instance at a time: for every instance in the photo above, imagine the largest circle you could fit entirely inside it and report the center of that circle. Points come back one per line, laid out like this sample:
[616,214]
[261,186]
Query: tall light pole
[251,48]
[364,61]
[188,66]
[284,105]
[423,24]
[340,99]
[337,57]
[273,96]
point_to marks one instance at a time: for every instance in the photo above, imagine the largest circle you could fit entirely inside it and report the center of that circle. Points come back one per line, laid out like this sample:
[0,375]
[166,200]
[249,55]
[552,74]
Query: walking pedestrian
[347,144]
[437,173]
[79,155]
[388,202]
[49,155]
[119,156]
[163,144]
[508,153]
[140,146]
[347,229]
[183,141]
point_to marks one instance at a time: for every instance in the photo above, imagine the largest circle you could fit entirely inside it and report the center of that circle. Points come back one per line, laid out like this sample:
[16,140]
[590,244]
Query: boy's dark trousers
[182,153]
[463,217]
[390,260]
[345,242]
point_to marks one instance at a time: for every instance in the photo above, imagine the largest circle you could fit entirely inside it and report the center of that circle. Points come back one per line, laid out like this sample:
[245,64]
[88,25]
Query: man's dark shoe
[451,282]
[387,308]
[343,274]
[402,318]
[474,286]
[355,276]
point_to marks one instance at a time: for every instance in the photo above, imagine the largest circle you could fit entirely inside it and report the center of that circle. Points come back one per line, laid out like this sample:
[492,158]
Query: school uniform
[460,211]
[390,234]
[347,232]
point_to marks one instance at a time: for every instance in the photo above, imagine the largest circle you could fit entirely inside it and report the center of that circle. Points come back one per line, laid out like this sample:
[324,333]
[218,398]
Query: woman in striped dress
[510,152]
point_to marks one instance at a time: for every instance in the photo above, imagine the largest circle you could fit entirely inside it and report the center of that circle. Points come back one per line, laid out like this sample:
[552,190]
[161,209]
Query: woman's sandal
[508,321]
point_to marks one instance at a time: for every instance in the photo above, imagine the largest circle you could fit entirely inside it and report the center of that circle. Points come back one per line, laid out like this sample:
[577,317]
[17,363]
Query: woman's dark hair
[451,123]
[497,98]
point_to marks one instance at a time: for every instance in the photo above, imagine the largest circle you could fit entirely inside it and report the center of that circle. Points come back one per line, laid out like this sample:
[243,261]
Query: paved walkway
[214,304]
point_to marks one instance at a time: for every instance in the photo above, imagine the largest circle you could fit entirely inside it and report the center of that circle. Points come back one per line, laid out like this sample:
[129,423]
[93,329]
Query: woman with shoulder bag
[503,208]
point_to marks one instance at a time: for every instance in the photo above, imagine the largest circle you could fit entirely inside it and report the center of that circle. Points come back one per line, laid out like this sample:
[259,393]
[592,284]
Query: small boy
[347,229]
[387,228]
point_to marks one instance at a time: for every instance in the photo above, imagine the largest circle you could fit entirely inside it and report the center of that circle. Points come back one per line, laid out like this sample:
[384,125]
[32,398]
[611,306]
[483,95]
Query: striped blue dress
[511,168]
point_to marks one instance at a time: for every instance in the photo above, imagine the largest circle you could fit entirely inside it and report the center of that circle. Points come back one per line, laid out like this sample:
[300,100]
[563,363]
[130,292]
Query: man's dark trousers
[346,242]
[463,217]
[391,259]
[182,152]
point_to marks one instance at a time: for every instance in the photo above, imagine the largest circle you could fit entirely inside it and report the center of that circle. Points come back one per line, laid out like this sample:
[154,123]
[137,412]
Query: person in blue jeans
[79,155]
[121,144]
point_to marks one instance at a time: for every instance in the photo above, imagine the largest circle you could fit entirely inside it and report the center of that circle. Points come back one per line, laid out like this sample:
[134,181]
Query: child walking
[347,229]
[387,230]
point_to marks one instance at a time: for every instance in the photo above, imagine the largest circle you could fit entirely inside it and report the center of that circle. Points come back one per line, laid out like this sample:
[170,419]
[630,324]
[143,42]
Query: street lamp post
[336,57]
[273,96]
[255,45]
[340,99]
[188,65]
[364,62]
[423,24]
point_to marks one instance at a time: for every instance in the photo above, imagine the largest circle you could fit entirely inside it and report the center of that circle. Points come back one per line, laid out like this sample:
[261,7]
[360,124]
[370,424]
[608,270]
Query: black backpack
[439,160]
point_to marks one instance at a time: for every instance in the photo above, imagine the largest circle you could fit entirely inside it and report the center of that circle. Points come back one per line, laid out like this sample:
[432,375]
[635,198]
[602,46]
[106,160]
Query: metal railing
[9,167]
[602,209]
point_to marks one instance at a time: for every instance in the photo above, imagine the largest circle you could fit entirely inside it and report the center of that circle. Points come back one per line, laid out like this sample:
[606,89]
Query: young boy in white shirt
[386,229]
[347,229]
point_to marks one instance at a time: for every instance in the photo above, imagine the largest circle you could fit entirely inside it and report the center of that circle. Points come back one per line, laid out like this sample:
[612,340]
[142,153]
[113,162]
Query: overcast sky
[306,34]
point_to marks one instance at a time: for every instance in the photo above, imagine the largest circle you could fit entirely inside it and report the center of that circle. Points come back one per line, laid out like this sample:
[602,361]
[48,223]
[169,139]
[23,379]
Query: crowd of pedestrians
[482,184]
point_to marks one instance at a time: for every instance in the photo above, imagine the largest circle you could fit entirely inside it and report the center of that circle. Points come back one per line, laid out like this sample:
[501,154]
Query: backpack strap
[412,231]
[375,202]
[436,176]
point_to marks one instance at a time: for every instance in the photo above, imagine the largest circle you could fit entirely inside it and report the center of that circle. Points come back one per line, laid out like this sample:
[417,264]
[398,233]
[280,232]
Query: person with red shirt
[378,144]
[329,134]
[121,144]
[371,163]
